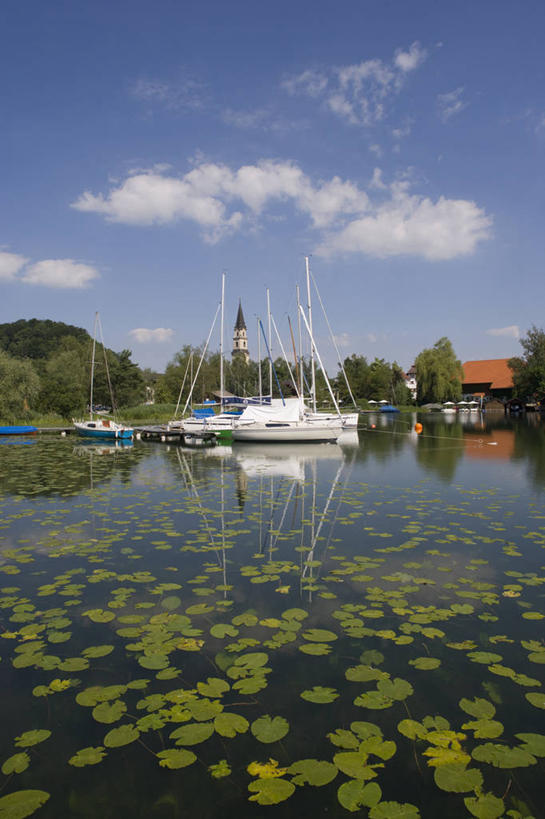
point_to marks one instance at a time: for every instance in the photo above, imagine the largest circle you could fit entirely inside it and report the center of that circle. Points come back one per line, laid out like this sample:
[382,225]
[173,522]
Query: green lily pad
[478,708]
[394,810]
[229,725]
[319,635]
[533,743]
[213,687]
[221,630]
[295,614]
[30,738]
[396,689]
[109,712]
[100,615]
[502,756]
[87,756]
[425,663]
[354,795]
[456,778]
[204,710]
[484,657]
[176,758]
[193,734]
[364,673]
[93,652]
[19,804]
[170,603]
[312,772]
[256,659]
[412,729]
[123,735]
[16,763]
[344,739]
[374,700]
[316,649]
[484,728]
[354,764]
[536,699]
[220,769]
[318,694]
[364,730]
[269,729]
[270,791]
[485,806]
[153,662]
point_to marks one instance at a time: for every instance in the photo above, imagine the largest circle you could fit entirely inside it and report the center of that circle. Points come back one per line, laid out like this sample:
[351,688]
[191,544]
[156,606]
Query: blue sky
[148,146]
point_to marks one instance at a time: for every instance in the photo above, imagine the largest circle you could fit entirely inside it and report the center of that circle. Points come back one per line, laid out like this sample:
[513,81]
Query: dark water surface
[292,630]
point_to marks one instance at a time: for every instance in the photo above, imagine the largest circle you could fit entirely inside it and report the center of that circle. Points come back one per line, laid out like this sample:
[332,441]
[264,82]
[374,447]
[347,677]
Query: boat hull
[95,429]
[288,433]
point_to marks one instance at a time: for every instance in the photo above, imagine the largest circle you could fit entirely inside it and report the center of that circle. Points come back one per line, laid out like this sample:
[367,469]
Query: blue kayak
[17,430]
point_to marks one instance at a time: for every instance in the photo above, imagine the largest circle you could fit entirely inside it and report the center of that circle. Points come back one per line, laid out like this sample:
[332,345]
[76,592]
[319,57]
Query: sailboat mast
[312,364]
[300,341]
[221,338]
[259,363]
[93,366]
[270,344]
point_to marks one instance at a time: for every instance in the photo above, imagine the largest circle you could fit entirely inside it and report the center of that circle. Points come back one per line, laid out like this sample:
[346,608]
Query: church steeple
[240,336]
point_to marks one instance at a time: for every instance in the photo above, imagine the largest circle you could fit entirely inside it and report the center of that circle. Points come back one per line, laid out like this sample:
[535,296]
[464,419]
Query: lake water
[304,630]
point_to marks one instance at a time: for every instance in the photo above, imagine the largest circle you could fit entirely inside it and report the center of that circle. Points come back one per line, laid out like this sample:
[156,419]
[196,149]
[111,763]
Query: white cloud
[59,273]
[343,340]
[309,82]
[220,200]
[144,336]
[10,265]
[359,93]
[371,337]
[451,103]
[512,331]
[411,59]
[413,225]
[183,93]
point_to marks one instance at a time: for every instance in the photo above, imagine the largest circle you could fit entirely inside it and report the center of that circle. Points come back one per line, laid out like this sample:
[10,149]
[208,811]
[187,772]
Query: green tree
[529,369]
[357,373]
[438,373]
[66,379]
[19,387]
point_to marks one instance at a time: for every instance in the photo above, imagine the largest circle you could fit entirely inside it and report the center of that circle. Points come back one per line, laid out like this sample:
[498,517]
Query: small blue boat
[18,430]
[388,408]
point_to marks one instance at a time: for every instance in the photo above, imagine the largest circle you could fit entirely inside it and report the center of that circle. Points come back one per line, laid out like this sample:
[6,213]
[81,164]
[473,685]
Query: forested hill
[36,338]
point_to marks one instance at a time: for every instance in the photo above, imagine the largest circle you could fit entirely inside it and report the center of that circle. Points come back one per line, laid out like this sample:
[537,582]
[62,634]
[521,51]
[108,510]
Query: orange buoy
[418,427]
[373,426]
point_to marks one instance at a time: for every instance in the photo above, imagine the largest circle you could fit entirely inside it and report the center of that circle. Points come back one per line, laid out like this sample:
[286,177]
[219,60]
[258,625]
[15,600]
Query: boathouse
[491,377]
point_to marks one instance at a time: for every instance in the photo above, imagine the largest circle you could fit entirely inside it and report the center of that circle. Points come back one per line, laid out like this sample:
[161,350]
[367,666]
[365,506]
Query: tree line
[45,368]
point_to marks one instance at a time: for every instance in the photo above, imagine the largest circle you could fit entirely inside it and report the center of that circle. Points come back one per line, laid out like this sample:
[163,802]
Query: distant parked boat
[101,427]
[18,430]
[388,408]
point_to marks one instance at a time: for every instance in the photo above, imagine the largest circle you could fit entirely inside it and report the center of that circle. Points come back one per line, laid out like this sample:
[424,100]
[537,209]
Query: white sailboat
[100,427]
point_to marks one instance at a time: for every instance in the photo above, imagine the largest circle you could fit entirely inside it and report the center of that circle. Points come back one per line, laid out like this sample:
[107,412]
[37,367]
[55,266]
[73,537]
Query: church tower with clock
[240,337]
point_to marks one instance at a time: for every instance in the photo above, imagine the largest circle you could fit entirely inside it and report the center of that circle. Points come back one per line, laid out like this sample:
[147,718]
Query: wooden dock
[176,435]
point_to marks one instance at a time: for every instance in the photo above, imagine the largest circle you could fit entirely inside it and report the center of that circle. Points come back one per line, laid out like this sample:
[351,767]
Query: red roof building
[489,377]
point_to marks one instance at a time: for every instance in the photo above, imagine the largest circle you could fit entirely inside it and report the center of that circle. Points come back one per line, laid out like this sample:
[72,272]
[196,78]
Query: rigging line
[282,519]
[183,384]
[273,369]
[114,408]
[323,516]
[284,354]
[333,340]
[200,362]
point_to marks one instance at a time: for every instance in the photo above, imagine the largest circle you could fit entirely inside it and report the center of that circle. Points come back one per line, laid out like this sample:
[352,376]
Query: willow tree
[438,373]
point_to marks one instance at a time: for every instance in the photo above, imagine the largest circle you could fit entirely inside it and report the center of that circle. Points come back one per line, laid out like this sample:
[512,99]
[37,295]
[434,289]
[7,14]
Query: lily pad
[87,756]
[229,725]
[269,729]
[478,708]
[193,734]
[502,756]
[319,694]
[394,810]
[533,743]
[270,791]
[19,804]
[123,735]
[456,778]
[319,635]
[109,712]
[354,795]
[16,763]
[312,772]
[176,758]
[485,806]
[425,663]
[30,738]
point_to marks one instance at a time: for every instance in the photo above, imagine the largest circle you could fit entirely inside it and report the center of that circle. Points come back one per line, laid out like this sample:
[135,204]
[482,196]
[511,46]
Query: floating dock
[175,435]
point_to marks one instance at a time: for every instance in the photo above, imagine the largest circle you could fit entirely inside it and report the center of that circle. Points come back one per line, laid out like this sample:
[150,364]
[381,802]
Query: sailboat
[100,427]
